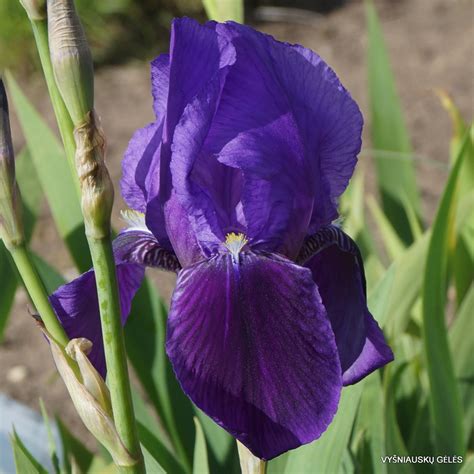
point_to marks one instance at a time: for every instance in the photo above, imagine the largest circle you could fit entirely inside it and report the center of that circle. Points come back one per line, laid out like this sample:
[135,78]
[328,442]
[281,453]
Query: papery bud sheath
[35,9]
[71,59]
[96,185]
[11,226]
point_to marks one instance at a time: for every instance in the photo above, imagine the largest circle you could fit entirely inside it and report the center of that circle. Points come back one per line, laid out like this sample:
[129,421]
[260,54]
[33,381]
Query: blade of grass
[462,247]
[405,280]
[462,347]
[394,440]
[51,442]
[200,463]
[54,176]
[445,402]
[392,243]
[396,178]
[145,341]
[74,451]
[325,455]
[370,423]
[31,197]
[25,463]
[222,452]
[9,279]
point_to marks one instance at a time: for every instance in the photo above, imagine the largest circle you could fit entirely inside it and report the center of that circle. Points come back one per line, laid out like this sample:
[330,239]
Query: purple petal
[144,149]
[77,307]
[337,270]
[197,54]
[284,118]
[141,247]
[160,81]
[251,346]
[76,303]
[188,141]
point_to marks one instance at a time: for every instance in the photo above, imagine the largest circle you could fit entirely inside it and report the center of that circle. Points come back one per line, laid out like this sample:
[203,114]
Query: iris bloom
[237,181]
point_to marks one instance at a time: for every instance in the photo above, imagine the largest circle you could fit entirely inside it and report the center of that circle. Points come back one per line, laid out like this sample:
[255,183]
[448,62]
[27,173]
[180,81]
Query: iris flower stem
[114,346]
[38,293]
[63,119]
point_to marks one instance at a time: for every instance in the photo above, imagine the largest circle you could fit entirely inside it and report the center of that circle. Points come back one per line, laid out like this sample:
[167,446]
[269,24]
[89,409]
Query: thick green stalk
[114,345]
[63,119]
[38,293]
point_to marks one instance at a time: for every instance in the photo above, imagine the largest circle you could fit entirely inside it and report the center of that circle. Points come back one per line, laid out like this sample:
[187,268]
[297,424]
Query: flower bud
[88,396]
[78,350]
[11,226]
[71,59]
[96,185]
[249,464]
[35,9]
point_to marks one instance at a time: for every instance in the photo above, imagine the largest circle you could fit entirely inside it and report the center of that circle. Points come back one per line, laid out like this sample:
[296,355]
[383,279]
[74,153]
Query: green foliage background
[118,30]
[421,404]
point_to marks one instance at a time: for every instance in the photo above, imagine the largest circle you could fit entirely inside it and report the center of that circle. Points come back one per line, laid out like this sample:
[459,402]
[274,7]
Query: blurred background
[431,45]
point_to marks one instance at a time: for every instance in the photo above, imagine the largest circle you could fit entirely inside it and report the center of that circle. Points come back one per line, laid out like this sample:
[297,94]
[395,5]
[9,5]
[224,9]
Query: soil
[430,44]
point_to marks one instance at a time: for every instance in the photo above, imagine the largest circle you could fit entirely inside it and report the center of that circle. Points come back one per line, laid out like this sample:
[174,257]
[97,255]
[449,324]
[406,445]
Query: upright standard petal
[76,303]
[337,269]
[251,345]
[141,162]
[284,119]
[197,56]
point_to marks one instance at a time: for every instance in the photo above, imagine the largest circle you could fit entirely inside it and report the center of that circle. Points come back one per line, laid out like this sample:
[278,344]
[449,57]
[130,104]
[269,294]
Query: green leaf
[468,466]
[158,451]
[145,341]
[444,395]
[462,242]
[392,243]
[223,10]
[151,464]
[51,278]
[154,437]
[148,419]
[462,348]
[222,447]
[74,450]
[31,197]
[54,175]
[370,422]
[406,279]
[396,177]
[415,225]
[25,463]
[9,279]
[51,443]
[394,440]
[31,191]
[327,452]
[200,463]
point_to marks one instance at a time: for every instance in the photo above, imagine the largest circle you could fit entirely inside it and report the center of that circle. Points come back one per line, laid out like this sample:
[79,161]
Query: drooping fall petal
[251,345]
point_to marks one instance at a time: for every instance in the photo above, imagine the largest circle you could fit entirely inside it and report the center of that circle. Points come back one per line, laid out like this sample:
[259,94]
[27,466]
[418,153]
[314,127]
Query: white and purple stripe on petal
[325,237]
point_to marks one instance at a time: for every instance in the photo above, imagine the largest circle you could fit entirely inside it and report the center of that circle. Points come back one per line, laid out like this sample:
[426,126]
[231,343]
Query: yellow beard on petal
[235,243]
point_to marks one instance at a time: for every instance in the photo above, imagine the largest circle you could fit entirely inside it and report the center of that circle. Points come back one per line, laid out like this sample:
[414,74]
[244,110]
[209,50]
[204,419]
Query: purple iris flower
[237,180]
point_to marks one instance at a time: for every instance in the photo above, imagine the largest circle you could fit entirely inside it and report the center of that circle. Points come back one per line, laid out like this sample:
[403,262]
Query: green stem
[114,346]
[63,119]
[38,293]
